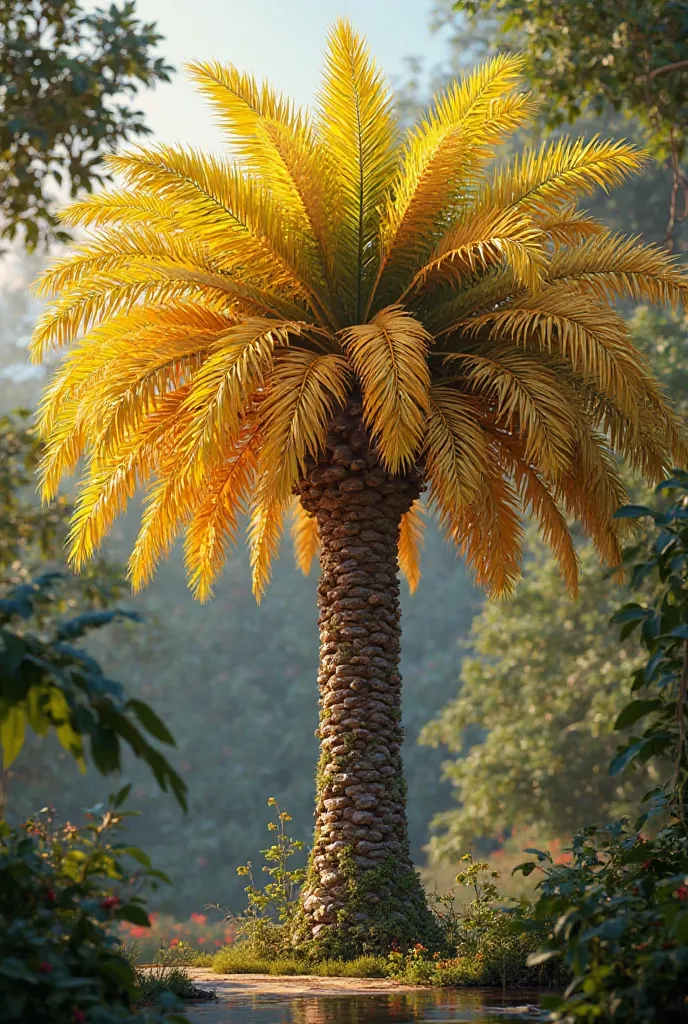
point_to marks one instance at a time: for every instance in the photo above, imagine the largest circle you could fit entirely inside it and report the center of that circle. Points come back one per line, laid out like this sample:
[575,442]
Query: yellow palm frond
[356,126]
[488,239]
[305,391]
[139,280]
[277,143]
[213,527]
[538,500]
[591,337]
[305,537]
[219,204]
[441,155]
[560,172]
[592,490]
[569,226]
[389,355]
[120,207]
[102,349]
[526,397]
[223,388]
[111,479]
[489,533]
[455,451]
[265,528]
[63,448]
[411,542]
[614,266]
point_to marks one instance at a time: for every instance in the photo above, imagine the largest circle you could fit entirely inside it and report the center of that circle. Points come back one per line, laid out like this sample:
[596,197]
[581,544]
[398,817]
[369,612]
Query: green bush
[61,891]
[620,913]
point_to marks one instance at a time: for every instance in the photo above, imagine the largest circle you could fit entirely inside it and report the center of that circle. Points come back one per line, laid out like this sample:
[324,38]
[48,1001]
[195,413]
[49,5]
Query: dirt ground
[231,986]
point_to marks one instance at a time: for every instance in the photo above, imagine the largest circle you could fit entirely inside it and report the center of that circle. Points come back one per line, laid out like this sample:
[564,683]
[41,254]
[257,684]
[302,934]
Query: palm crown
[228,306]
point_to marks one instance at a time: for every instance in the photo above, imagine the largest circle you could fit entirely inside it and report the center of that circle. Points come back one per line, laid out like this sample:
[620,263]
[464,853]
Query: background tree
[629,56]
[67,82]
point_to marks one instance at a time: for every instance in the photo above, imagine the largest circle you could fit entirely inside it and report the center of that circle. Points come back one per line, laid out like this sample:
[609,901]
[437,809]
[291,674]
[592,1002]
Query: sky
[282,40]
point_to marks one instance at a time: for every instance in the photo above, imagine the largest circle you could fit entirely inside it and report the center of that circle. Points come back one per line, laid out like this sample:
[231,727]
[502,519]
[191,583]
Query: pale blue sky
[282,40]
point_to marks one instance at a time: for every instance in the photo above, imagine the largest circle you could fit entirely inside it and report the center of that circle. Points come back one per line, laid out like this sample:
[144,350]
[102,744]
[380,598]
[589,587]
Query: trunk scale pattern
[362,892]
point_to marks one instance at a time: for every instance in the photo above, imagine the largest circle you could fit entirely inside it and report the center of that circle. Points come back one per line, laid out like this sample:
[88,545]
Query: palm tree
[328,322]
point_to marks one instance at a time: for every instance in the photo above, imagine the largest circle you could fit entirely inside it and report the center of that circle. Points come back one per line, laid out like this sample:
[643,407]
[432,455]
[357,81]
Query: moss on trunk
[362,892]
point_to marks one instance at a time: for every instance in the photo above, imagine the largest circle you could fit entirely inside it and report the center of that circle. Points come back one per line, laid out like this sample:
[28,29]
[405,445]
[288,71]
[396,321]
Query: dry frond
[489,533]
[613,266]
[455,451]
[411,541]
[306,390]
[305,537]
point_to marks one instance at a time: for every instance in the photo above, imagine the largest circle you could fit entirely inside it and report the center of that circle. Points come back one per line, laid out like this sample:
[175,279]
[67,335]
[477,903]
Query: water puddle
[443,1006]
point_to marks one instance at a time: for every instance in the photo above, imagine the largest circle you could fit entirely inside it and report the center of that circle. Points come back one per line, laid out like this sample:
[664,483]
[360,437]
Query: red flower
[45,967]
[50,895]
[199,918]
[682,892]
[201,940]
[647,864]
[79,1016]
[218,942]
[174,942]
[110,903]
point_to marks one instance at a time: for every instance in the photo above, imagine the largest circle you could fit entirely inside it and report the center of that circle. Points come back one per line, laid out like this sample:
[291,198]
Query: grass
[238,960]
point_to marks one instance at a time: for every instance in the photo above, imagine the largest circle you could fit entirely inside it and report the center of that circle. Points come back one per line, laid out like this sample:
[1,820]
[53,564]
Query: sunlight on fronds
[220,315]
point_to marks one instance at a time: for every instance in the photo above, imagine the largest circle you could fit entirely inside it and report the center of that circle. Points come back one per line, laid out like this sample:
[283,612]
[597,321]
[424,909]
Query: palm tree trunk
[362,892]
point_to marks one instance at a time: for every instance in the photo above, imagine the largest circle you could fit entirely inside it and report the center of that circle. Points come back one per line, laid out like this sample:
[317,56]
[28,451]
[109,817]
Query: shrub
[61,891]
[620,912]
[265,926]
[487,943]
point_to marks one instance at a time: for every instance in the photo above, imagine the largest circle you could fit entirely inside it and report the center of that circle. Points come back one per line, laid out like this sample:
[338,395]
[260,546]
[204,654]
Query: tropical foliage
[471,308]
[68,76]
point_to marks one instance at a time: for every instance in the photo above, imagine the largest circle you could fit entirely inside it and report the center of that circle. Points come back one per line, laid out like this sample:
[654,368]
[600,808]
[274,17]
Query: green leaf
[634,512]
[624,757]
[636,710]
[526,868]
[134,914]
[11,967]
[631,613]
[151,723]
[12,733]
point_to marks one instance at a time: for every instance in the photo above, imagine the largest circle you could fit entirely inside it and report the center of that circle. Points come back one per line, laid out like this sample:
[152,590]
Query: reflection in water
[440,1006]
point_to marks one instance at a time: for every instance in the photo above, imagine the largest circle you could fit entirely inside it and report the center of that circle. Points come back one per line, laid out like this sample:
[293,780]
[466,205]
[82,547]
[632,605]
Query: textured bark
[362,891]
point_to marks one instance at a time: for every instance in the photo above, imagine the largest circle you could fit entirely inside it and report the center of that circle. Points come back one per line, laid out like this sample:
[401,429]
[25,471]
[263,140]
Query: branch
[676,66]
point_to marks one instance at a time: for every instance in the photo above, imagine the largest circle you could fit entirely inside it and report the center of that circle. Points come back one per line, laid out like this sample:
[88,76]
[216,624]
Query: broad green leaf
[12,734]
[636,710]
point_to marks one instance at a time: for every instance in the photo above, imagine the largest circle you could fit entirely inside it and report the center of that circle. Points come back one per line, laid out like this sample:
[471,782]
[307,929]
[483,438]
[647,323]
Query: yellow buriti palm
[330,321]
